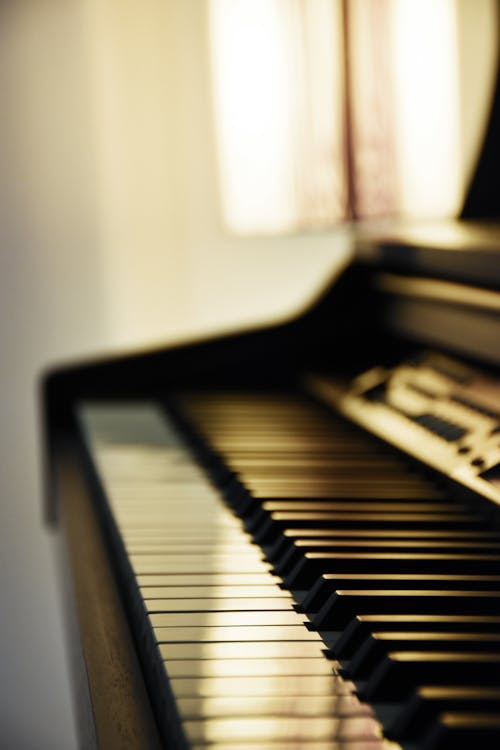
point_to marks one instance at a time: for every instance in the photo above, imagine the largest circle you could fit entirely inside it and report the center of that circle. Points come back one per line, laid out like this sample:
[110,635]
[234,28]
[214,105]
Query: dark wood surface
[119,715]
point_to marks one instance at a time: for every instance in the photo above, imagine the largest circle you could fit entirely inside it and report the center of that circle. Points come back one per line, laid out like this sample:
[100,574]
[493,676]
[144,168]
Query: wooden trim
[119,702]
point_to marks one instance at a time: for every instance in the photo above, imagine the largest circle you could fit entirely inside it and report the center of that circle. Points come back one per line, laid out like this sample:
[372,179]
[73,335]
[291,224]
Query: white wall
[50,303]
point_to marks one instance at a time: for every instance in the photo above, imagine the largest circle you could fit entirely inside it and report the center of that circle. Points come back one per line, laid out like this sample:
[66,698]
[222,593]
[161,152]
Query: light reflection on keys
[283,728]
[215,604]
[218,592]
[205,634]
[338,705]
[322,685]
[241,650]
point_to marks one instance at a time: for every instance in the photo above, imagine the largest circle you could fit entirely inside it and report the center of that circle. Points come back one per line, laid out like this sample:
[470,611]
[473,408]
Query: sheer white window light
[278,96]
[327,109]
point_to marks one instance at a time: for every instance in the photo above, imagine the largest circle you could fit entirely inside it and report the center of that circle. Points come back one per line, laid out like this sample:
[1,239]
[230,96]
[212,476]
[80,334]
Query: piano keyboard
[343,602]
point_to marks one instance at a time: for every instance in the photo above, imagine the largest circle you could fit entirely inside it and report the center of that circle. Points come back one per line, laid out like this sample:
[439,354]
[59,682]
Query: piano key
[463,730]
[279,465]
[217,592]
[226,619]
[242,650]
[328,490]
[157,606]
[304,538]
[341,706]
[268,529]
[199,565]
[429,701]
[288,561]
[303,744]
[222,579]
[364,506]
[401,671]
[339,468]
[361,626]
[221,634]
[366,489]
[177,542]
[292,539]
[329,582]
[215,549]
[269,729]
[294,666]
[315,564]
[378,645]
[392,545]
[478,535]
[277,685]
[342,606]
[275,522]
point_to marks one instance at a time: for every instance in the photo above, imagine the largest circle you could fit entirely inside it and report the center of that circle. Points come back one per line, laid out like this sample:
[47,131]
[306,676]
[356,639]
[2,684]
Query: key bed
[343,595]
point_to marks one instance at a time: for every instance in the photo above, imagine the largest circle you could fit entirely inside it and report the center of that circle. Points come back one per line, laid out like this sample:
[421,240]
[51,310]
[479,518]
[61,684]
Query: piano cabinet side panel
[82,705]
[112,704]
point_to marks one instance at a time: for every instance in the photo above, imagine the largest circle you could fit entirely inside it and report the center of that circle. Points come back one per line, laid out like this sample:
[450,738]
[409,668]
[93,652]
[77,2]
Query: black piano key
[356,515]
[320,532]
[326,584]
[267,529]
[347,642]
[349,487]
[342,606]
[400,672]
[288,561]
[423,706]
[462,731]
[377,645]
[299,538]
[312,565]
[364,506]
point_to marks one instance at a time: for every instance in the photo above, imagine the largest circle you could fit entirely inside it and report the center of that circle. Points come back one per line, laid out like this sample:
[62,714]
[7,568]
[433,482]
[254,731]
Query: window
[330,109]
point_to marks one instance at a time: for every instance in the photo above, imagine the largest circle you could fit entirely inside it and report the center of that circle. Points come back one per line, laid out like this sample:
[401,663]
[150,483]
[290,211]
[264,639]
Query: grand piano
[289,537]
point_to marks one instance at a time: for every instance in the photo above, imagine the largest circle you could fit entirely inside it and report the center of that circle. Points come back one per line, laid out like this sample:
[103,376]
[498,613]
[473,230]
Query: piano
[289,537]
